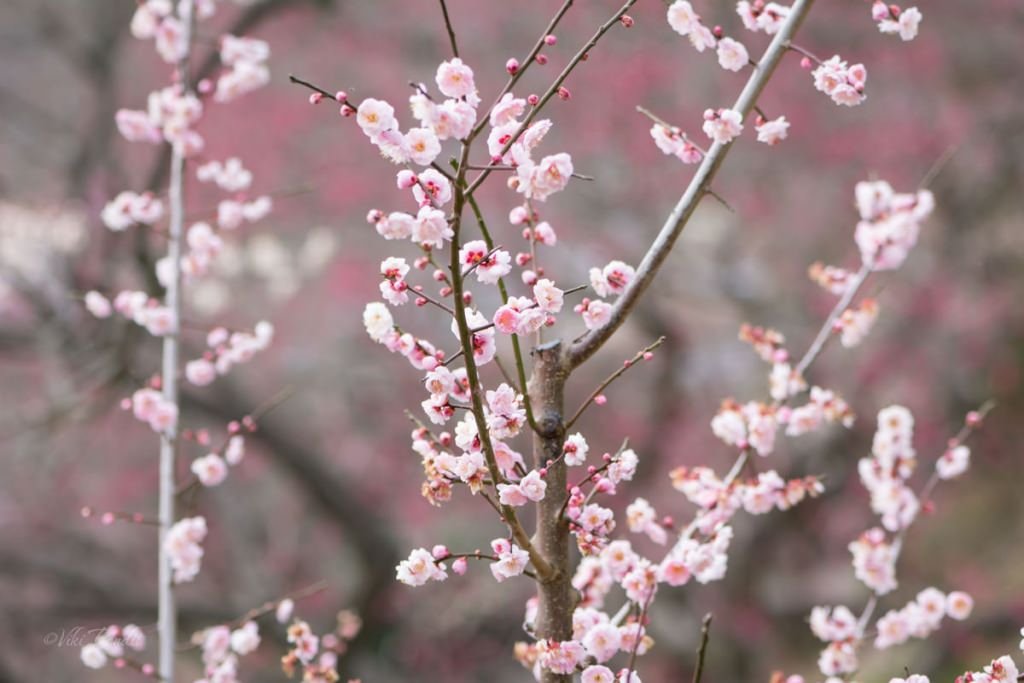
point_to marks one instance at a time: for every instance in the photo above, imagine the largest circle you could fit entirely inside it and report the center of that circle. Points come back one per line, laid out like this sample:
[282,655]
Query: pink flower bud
[406,179]
[974,419]
[107,518]
[542,59]
[626,21]
[805,63]
[550,39]
[564,93]
[341,96]
[374,216]
[512,66]
[533,100]
[439,552]
[648,355]
[600,399]
[459,566]
[315,98]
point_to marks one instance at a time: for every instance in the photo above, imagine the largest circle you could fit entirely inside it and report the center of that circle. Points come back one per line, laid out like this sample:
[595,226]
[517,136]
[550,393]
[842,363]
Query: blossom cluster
[110,644]
[183,546]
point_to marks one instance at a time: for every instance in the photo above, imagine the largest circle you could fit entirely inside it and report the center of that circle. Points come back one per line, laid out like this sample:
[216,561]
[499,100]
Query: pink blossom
[284,610]
[97,304]
[420,568]
[431,227]
[378,321]
[138,126]
[549,176]
[855,323]
[93,656]
[682,18]
[182,546]
[512,560]
[455,79]
[375,116]
[533,486]
[235,450]
[732,55]
[612,279]
[575,450]
[602,642]
[597,673]
[959,605]
[210,470]
[838,658]
[234,49]
[595,313]
[549,298]
[722,125]
[200,372]
[245,639]
[488,266]
[772,132]
[423,146]
[507,110]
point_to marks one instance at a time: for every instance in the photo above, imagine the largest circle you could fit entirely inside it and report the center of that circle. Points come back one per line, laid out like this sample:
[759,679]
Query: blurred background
[330,488]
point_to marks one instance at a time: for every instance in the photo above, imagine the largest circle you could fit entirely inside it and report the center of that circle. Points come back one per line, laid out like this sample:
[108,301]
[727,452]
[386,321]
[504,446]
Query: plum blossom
[512,559]
[595,312]
[673,142]
[682,17]
[722,125]
[892,19]
[378,321]
[431,227]
[597,673]
[129,208]
[612,279]
[540,181]
[210,469]
[394,287]
[375,116]
[874,561]
[959,605]
[423,146]
[432,189]
[772,132]
[182,544]
[843,83]
[890,223]
[953,462]
[489,266]
[575,450]
[98,305]
[246,638]
[760,16]
[420,568]
[855,323]
[455,79]
[549,298]
[602,641]
[732,55]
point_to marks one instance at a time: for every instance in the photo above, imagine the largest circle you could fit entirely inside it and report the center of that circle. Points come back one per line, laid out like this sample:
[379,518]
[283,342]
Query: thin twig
[705,632]
[448,26]
[611,378]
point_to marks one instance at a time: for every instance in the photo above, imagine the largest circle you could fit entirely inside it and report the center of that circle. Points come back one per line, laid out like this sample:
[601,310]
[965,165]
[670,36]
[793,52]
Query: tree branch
[583,349]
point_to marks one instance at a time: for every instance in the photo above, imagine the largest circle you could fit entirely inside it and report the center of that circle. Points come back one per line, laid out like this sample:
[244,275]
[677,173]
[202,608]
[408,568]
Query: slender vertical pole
[167,613]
